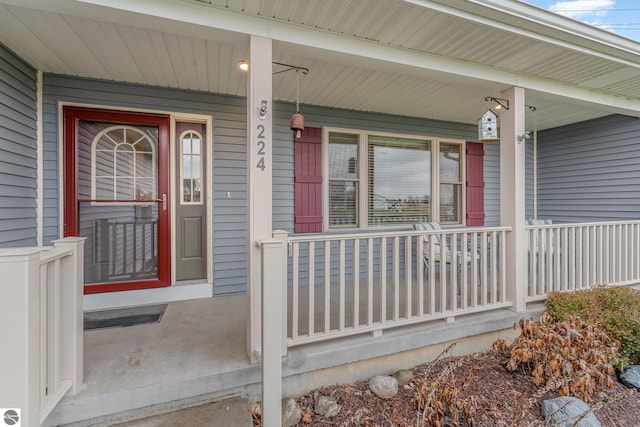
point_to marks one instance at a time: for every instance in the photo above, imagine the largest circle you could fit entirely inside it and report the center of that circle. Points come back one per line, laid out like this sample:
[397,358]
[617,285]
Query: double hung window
[384,180]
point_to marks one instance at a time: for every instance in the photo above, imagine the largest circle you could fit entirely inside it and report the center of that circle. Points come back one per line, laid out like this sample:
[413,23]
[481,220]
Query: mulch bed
[499,398]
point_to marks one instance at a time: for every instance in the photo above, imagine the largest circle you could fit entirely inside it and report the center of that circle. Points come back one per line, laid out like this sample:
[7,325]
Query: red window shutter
[475,184]
[308,181]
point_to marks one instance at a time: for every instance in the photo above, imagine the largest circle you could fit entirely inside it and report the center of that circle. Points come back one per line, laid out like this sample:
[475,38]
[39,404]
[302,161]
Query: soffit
[187,56]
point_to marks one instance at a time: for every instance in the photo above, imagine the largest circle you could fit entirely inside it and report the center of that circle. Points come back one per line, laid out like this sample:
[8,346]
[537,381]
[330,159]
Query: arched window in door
[123,165]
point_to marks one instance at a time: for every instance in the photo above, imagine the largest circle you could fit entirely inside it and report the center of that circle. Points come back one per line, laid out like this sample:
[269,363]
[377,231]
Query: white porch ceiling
[87,39]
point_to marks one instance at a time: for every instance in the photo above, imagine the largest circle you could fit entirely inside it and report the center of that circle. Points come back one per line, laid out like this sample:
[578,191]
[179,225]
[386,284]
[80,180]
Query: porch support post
[274,257]
[512,194]
[259,173]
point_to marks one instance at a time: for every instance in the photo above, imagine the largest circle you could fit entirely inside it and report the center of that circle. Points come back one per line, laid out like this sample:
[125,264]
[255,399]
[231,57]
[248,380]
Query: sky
[618,16]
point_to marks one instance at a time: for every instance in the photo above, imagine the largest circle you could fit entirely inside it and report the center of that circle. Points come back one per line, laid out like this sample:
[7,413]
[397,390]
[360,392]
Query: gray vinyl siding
[18,152]
[590,171]
[229,159]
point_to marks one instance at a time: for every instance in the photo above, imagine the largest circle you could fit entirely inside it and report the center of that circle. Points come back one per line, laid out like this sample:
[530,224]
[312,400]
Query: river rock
[631,377]
[384,386]
[291,412]
[326,406]
[404,377]
[565,411]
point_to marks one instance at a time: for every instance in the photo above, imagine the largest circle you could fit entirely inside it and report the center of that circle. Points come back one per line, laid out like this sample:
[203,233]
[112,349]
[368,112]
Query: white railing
[42,320]
[345,284]
[567,257]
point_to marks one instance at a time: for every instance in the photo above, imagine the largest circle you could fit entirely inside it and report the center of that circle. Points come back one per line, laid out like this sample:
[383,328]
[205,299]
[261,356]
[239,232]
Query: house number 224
[261,145]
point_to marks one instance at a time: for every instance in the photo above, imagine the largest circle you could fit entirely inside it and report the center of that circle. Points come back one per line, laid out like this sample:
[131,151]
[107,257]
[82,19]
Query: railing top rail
[400,233]
[582,224]
[53,253]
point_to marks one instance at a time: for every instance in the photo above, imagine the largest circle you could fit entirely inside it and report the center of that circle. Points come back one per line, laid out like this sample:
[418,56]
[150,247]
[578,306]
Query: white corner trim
[147,296]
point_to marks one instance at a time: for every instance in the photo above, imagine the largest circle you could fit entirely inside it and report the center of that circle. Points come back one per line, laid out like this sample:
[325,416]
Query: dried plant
[553,352]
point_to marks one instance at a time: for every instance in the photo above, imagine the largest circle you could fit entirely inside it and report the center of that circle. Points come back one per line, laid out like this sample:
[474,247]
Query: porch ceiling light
[243,65]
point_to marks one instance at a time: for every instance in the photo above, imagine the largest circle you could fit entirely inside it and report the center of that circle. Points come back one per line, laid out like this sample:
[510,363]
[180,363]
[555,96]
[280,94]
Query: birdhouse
[488,127]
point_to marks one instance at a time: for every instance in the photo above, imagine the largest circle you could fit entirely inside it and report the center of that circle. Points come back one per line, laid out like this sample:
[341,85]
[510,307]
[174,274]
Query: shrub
[617,309]
[569,356]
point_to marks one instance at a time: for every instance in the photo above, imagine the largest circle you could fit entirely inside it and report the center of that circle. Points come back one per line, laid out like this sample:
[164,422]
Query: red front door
[116,195]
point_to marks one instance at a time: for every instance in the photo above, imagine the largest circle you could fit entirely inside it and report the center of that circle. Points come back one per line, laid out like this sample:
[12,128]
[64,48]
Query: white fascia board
[210,17]
[594,41]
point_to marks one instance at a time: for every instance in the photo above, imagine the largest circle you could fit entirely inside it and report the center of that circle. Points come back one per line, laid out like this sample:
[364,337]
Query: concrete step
[226,413]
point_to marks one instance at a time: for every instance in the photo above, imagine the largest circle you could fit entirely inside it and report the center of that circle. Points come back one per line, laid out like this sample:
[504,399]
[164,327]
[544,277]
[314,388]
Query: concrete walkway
[231,412]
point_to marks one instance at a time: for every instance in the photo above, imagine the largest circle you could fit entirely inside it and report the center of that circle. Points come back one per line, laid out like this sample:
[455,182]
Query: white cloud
[580,9]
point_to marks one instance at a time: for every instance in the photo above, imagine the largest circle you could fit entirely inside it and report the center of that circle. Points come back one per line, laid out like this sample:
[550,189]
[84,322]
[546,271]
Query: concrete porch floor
[196,354]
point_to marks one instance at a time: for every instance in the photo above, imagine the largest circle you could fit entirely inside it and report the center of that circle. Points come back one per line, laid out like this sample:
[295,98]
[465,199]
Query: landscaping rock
[565,411]
[291,412]
[631,377]
[404,377]
[383,386]
[326,406]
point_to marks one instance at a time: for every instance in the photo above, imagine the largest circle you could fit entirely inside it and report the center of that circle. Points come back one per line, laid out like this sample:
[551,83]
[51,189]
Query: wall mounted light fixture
[243,65]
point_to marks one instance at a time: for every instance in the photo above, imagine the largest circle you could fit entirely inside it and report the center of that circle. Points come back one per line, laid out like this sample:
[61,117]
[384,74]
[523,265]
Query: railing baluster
[483,270]
[476,259]
[342,280]
[295,273]
[396,278]
[432,278]
[464,276]
[503,265]
[420,273]
[492,268]
[370,281]
[408,274]
[383,279]
[356,282]
[443,272]
[455,280]
[327,286]
[312,287]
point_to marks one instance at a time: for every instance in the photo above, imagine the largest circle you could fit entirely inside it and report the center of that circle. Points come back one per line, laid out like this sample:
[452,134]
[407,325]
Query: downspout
[39,161]
[535,174]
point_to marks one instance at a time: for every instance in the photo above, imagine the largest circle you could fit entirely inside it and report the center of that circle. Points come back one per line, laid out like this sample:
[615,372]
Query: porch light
[243,65]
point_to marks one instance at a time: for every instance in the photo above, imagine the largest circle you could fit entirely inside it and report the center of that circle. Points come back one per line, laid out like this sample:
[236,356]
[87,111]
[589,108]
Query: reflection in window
[191,167]
[399,181]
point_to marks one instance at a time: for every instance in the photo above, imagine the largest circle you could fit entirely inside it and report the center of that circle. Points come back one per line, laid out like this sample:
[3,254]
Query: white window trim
[364,178]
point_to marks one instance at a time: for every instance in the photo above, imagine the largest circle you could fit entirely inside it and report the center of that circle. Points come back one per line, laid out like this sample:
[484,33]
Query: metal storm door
[191,212]
[116,195]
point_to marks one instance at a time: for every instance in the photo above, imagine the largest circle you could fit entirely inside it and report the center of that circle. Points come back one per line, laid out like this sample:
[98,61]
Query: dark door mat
[123,317]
